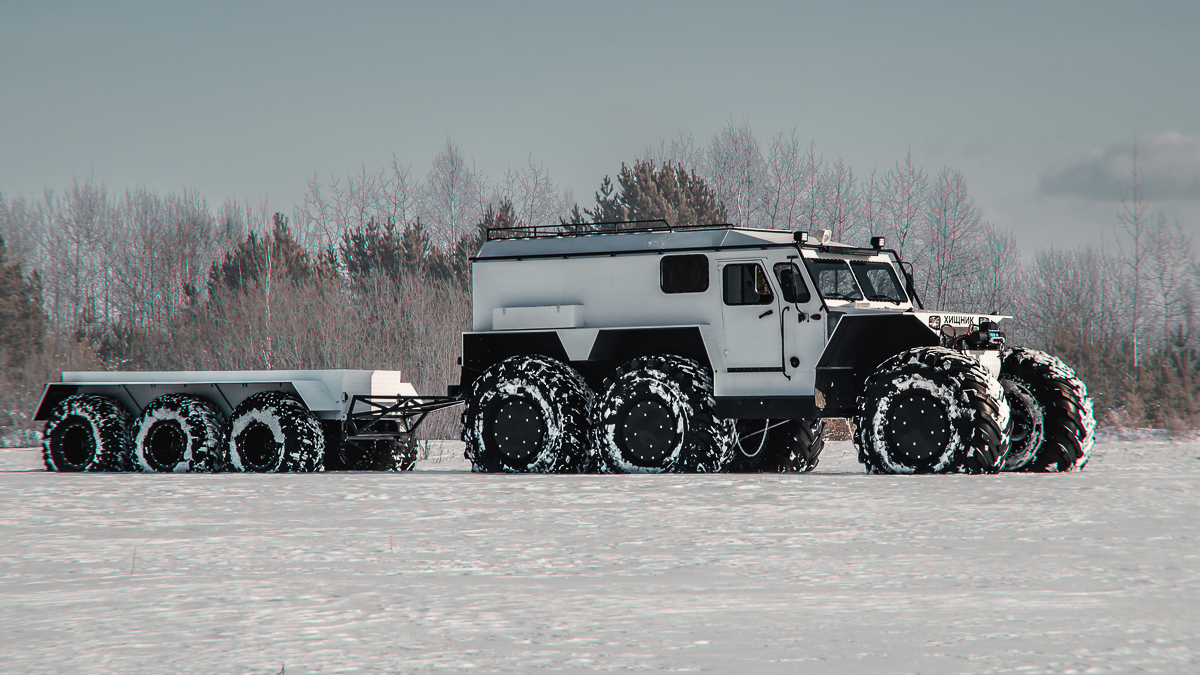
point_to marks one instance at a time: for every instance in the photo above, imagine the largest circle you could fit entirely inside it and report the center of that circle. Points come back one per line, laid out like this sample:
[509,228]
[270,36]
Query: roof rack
[583,229]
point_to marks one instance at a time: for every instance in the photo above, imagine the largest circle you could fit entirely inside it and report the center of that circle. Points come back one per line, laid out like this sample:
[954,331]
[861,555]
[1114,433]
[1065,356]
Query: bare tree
[452,201]
[737,173]
[904,194]
[839,206]
[1135,239]
[787,173]
[534,196]
[953,225]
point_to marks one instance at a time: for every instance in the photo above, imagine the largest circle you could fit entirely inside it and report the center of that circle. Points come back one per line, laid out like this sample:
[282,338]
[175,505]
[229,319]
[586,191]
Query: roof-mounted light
[877,243]
[800,237]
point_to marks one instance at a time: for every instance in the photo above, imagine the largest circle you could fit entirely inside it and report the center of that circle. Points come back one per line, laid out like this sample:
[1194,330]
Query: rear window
[683,273]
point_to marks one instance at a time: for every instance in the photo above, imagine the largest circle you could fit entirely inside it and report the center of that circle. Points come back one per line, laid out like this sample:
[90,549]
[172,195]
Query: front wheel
[1053,425]
[527,414]
[931,410]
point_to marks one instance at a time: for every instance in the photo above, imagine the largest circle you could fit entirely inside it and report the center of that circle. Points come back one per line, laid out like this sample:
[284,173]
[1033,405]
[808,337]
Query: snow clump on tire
[86,432]
[178,433]
[656,416]
[931,410]
[1053,403]
[272,431]
[528,414]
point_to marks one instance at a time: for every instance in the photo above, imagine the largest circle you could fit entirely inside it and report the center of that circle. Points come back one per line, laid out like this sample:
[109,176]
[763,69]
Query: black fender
[612,347]
[859,343]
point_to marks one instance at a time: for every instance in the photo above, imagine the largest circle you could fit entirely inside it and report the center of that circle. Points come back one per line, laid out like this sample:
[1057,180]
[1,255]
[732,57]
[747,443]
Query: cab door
[750,309]
[803,325]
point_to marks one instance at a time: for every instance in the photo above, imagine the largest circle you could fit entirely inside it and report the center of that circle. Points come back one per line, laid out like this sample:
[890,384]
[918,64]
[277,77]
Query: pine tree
[647,192]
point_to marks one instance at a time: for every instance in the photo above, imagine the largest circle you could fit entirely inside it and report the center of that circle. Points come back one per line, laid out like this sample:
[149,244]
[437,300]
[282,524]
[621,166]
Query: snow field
[441,570]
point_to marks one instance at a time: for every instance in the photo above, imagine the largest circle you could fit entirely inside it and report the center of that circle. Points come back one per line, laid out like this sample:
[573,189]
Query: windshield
[834,280]
[878,281]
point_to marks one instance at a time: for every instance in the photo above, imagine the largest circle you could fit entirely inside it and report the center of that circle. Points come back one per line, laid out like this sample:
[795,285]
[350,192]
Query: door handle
[769,312]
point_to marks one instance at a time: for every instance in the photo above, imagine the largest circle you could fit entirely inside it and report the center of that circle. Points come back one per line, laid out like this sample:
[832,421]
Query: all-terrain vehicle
[655,349]
[718,348]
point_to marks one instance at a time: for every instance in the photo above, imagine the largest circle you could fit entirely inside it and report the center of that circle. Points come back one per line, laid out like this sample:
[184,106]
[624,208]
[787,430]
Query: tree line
[372,270]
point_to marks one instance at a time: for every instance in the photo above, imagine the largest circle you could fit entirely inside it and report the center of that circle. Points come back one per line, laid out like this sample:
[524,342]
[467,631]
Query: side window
[747,284]
[791,284]
[683,273]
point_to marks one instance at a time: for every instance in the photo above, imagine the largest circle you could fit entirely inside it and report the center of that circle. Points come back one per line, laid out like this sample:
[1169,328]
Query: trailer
[237,420]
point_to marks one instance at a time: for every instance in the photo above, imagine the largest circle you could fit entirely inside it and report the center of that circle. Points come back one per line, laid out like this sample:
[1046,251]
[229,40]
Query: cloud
[1169,162]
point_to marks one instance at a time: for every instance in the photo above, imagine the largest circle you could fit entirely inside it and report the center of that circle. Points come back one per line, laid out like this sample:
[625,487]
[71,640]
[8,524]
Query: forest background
[372,270]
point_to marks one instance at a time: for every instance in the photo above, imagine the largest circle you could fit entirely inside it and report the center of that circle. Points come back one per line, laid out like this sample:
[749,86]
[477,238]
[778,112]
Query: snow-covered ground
[443,570]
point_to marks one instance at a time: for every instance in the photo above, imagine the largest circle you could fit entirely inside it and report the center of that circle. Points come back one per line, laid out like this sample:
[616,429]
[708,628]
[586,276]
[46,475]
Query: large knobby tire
[86,432]
[931,410]
[787,446]
[1053,426]
[179,433]
[655,415]
[274,432]
[528,414]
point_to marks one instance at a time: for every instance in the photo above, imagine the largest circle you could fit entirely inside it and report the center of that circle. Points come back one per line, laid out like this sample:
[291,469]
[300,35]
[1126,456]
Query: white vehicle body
[596,299]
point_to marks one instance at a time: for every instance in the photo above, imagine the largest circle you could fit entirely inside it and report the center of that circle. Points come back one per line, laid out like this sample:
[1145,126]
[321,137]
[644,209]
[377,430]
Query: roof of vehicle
[702,238]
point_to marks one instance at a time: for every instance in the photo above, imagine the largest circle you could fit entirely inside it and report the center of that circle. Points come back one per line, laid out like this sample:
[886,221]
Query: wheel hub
[72,444]
[518,429]
[648,432]
[258,446]
[917,429]
[166,445]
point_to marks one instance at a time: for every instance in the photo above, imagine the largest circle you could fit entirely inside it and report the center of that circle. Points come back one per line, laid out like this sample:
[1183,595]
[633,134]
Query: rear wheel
[785,446]
[274,432]
[931,410]
[527,414]
[178,433]
[86,432]
[1053,426]
[656,416]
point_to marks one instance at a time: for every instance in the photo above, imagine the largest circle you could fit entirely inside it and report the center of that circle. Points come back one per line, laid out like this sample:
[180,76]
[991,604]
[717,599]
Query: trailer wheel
[1041,388]
[655,415]
[527,414]
[178,433]
[86,432]
[274,432]
[931,410]
[788,446]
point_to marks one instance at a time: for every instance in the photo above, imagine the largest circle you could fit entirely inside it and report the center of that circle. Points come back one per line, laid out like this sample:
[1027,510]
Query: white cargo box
[327,393]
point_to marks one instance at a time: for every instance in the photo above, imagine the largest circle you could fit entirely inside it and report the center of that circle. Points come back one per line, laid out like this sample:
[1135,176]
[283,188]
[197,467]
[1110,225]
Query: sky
[1038,104]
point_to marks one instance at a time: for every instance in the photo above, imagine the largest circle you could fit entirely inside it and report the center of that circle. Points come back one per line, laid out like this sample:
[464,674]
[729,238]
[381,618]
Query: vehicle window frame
[869,265]
[797,278]
[725,285]
[810,263]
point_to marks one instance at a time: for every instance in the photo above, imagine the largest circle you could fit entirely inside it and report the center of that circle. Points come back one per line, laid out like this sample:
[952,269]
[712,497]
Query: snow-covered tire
[86,432]
[274,432]
[931,410]
[655,415]
[179,433]
[528,414]
[788,446]
[1042,388]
